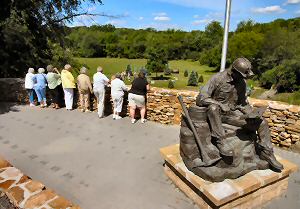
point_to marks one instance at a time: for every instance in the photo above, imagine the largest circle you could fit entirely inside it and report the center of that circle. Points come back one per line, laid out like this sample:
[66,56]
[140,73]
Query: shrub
[268,78]
[200,79]
[128,70]
[171,84]
[167,71]
[192,79]
[186,73]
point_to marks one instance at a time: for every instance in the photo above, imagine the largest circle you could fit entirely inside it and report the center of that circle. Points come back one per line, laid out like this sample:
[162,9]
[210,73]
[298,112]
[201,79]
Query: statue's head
[243,67]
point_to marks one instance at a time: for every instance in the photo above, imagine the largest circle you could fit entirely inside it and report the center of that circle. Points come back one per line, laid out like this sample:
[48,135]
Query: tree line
[33,33]
[273,48]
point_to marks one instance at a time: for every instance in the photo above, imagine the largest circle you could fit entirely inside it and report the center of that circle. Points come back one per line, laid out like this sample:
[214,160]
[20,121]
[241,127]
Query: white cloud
[268,10]
[160,14]
[141,18]
[200,22]
[298,12]
[196,16]
[162,18]
[293,2]
[208,4]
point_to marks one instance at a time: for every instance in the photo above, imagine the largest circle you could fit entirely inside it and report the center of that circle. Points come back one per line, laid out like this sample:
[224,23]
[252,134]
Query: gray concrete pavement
[100,163]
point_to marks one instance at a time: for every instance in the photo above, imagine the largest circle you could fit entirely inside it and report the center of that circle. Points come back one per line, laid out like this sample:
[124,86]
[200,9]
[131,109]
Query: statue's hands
[245,109]
[224,107]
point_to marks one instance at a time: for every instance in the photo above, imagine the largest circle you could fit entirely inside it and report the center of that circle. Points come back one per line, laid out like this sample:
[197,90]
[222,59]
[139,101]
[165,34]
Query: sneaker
[143,120]
[32,105]
[88,111]
[82,110]
[133,121]
[117,117]
[114,117]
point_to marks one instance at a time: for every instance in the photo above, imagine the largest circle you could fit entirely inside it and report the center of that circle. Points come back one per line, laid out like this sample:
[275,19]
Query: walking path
[101,163]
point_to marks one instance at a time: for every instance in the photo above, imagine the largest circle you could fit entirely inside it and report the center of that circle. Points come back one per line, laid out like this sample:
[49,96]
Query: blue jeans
[41,94]
[30,95]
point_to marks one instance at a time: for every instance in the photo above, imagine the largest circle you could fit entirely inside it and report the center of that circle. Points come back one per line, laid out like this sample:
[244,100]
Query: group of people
[57,82]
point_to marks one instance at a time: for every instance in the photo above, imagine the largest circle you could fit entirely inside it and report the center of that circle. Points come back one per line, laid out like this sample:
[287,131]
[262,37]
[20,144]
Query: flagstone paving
[101,163]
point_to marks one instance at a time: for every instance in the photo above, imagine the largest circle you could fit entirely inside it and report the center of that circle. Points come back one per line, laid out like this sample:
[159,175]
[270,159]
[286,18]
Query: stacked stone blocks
[25,193]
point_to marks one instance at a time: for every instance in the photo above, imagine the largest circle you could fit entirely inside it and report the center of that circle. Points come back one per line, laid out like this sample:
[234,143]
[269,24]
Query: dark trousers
[56,94]
[216,118]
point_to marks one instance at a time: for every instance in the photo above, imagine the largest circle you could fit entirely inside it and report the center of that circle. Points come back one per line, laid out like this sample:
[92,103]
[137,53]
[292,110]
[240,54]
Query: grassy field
[114,65]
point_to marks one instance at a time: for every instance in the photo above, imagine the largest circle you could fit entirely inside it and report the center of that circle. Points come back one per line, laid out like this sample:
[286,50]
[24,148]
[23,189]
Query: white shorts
[135,100]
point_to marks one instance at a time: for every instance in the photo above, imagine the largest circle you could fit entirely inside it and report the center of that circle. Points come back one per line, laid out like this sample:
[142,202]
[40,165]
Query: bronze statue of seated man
[233,124]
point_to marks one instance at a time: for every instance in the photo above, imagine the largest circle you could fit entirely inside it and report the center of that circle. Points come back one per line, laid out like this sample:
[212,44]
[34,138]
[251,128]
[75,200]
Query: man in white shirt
[117,93]
[100,81]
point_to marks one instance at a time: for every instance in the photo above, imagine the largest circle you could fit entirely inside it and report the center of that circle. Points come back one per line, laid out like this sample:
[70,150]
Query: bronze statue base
[252,190]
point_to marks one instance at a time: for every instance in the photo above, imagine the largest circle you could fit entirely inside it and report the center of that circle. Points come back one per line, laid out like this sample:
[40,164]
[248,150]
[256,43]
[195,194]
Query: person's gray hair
[41,70]
[99,69]
[83,70]
[30,70]
[49,68]
[118,75]
[68,67]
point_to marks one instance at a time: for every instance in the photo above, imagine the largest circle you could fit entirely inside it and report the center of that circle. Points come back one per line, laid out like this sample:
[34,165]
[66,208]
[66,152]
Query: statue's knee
[264,123]
[213,108]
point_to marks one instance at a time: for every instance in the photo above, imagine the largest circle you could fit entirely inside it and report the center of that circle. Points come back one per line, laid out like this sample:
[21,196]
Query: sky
[185,15]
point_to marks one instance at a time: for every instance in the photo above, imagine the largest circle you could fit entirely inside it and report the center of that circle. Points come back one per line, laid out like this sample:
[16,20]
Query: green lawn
[114,65]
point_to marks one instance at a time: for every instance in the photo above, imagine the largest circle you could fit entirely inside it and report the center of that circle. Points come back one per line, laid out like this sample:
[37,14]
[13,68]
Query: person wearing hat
[137,96]
[226,101]
[54,85]
[68,83]
[40,84]
[84,88]
[29,86]
[117,93]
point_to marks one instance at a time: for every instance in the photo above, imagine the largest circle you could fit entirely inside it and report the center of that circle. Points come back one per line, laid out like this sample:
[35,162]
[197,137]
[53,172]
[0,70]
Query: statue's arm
[245,106]
[205,98]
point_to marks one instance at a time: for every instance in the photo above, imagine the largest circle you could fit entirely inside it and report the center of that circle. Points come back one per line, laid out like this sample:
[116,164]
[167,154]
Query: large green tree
[27,28]
[157,60]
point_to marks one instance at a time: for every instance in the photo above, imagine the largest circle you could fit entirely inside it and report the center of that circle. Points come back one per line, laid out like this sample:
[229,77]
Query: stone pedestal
[252,190]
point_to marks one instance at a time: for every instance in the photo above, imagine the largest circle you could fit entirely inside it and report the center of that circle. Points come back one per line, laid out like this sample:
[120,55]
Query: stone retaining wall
[20,191]
[163,107]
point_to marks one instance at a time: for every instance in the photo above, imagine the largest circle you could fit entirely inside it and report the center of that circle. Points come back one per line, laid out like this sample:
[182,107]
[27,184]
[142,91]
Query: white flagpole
[226,31]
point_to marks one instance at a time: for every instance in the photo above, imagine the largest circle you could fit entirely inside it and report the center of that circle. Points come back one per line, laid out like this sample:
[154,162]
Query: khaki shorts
[135,100]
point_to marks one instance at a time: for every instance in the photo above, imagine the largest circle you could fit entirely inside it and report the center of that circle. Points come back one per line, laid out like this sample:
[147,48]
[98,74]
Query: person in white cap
[29,85]
[117,93]
[40,84]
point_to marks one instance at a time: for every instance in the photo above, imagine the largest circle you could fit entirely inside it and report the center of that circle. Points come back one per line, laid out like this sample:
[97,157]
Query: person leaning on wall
[29,86]
[68,83]
[54,85]
[84,88]
[137,96]
[40,84]
[100,81]
[117,93]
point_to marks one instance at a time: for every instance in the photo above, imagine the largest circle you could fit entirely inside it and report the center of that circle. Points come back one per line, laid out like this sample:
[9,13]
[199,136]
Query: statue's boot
[224,148]
[270,158]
